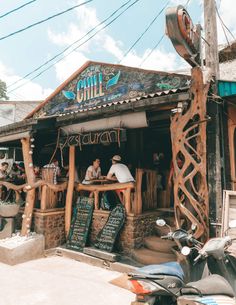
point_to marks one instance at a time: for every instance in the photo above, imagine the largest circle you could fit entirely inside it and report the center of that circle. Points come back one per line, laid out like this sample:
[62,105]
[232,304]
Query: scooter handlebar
[166,237]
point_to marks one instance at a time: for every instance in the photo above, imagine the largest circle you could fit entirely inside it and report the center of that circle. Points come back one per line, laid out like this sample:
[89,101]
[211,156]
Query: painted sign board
[80,224]
[100,84]
[184,36]
[107,236]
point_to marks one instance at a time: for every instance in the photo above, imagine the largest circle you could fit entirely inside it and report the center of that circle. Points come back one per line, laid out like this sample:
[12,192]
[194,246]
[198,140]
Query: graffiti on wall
[100,84]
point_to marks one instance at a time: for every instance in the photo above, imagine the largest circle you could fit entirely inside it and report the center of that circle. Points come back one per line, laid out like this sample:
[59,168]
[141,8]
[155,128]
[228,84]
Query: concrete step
[157,244]
[149,257]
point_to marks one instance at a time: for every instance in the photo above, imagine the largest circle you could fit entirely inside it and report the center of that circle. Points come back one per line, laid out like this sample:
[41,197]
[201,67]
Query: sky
[22,53]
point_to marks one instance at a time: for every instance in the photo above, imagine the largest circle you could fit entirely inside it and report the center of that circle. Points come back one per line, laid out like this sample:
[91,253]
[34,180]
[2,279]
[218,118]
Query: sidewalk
[59,281]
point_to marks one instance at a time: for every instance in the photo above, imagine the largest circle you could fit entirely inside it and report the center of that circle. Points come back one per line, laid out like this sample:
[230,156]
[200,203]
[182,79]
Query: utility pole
[214,127]
[211,47]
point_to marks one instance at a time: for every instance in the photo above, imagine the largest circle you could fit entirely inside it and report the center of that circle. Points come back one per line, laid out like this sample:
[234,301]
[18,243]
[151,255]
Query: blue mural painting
[99,84]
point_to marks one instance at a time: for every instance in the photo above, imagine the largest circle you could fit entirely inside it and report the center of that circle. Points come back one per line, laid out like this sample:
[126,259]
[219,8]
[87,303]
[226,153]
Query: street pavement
[59,281]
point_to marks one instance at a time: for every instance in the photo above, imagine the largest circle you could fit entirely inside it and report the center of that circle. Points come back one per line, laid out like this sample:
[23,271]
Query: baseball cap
[116,158]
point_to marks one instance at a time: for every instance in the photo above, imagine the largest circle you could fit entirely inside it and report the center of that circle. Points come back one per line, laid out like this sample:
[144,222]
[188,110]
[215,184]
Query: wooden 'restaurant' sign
[95,137]
[107,236]
[80,224]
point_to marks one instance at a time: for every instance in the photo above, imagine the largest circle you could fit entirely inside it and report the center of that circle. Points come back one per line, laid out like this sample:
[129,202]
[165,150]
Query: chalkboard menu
[107,236]
[80,224]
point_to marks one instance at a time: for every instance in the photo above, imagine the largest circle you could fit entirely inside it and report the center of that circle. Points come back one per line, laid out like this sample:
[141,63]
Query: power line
[223,24]
[17,8]
[44,20]
[74,49]
[149,54]
[224,32]
[147,28]
[67,48]
[187,3]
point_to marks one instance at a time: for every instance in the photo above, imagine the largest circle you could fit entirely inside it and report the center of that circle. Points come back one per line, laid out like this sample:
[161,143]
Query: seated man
[93,172]
[119,171]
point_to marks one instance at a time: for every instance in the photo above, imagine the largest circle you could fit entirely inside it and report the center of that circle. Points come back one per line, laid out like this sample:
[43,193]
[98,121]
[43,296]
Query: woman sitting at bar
[93,172]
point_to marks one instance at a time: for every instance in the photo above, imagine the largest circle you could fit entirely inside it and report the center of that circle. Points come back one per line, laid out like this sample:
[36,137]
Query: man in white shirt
[119,171]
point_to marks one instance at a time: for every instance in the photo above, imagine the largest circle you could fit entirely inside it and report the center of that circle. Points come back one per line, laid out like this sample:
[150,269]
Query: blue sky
[22,53]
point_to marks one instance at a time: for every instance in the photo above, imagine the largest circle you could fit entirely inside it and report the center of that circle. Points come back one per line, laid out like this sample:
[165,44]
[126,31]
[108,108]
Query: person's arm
[90,174]
[111,174]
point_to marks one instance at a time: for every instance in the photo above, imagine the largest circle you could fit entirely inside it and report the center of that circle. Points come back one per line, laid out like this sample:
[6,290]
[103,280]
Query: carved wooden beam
[188,135]
[30,177]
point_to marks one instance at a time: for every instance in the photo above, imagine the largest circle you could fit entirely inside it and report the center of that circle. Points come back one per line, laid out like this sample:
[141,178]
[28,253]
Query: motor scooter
[166,284]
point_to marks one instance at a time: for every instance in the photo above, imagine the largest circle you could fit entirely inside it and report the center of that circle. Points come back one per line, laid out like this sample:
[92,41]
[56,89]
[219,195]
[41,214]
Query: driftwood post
[188,135]
[30,178]
[70,189]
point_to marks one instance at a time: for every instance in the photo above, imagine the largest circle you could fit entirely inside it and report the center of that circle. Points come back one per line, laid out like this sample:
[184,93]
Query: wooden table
[100,181]
[96,188]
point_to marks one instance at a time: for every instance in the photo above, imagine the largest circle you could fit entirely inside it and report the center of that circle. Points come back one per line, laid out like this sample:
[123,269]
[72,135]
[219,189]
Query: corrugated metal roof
[127,101]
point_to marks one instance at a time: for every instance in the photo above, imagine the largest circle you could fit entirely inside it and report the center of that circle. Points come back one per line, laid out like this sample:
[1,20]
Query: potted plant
[8,209]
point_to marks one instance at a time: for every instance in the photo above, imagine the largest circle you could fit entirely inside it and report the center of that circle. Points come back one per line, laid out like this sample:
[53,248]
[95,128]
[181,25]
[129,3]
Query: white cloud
[31,91]
[103,42]
[69,65]
[158,60]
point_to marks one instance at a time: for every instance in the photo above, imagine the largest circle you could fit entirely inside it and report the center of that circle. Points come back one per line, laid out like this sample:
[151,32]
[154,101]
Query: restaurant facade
[162,125]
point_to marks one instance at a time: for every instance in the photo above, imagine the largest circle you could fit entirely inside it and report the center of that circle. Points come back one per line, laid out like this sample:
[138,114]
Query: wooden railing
[39,184]
[136,197]
[96,189]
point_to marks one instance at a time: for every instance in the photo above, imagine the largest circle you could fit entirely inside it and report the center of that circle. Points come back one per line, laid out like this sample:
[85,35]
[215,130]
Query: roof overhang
[22,129]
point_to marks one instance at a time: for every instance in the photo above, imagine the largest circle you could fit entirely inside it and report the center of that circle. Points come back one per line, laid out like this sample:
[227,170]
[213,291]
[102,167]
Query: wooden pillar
[43,204]
[232,148]
[96,200]
[127,200]
[137,209]
[70,189]
[30,178]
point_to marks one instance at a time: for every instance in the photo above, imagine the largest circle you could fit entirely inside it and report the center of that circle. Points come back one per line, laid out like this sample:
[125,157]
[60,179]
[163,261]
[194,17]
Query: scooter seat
[211,285]
[170,268]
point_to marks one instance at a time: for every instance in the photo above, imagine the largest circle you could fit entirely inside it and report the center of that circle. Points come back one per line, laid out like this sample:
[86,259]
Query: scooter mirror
[193,227]
[160,222]
[232,224]
[185,251]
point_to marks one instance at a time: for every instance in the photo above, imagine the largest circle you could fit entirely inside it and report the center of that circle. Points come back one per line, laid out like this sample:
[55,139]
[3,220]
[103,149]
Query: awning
[14,137]
[132,120]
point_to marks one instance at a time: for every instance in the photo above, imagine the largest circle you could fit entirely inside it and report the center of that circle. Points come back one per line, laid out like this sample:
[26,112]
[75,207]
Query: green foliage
[3,91]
